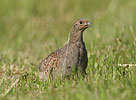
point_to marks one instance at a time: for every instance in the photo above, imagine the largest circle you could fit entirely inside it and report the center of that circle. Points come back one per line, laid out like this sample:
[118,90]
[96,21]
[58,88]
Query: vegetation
[31,29]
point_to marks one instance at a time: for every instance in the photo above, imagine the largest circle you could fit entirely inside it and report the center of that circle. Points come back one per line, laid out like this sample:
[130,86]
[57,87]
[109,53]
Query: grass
[30,30]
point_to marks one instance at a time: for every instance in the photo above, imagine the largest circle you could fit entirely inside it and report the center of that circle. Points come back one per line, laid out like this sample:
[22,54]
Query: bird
[70,58]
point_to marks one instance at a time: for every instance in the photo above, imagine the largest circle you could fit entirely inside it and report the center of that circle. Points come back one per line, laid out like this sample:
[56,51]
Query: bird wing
[50,63]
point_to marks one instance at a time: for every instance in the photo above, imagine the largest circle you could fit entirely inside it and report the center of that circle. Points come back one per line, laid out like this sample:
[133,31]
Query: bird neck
[76,36]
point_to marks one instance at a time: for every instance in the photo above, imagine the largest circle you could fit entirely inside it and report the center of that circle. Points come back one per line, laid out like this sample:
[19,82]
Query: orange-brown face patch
[82,24]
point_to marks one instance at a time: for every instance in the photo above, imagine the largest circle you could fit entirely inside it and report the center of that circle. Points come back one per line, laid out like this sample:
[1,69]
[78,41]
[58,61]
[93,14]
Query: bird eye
[80,22]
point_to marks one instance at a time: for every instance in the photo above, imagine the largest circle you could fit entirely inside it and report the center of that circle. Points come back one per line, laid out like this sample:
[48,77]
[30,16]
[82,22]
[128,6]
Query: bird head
[81,25]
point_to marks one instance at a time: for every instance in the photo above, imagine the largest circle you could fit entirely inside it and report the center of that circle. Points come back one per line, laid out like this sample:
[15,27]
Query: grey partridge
[72,57]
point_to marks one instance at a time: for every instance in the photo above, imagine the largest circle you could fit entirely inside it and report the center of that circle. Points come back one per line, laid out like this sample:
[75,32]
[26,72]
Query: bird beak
[87,24]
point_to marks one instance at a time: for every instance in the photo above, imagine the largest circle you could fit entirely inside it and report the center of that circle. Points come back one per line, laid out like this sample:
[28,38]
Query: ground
[31,29]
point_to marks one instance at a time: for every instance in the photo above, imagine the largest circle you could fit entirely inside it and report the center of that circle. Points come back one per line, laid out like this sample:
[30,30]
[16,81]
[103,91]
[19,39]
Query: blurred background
[31,29]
